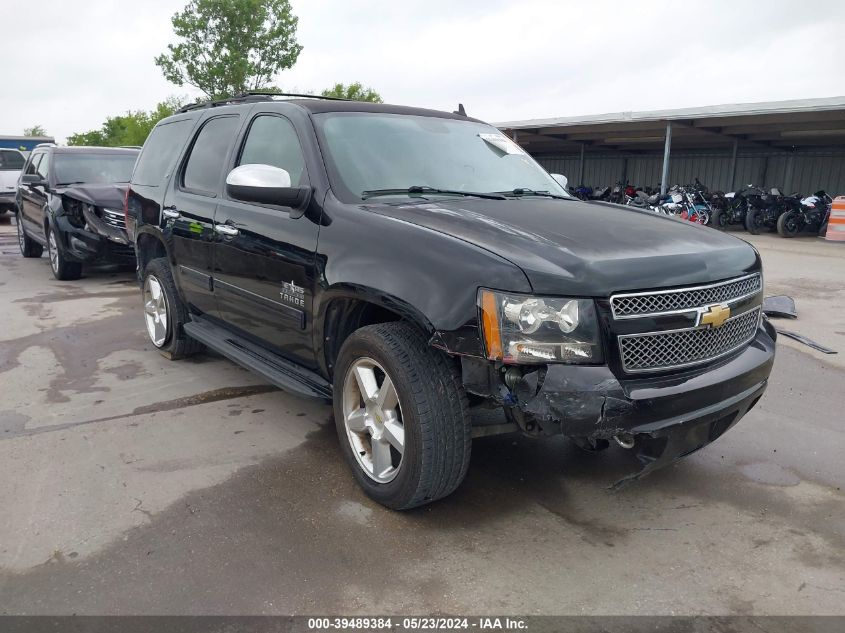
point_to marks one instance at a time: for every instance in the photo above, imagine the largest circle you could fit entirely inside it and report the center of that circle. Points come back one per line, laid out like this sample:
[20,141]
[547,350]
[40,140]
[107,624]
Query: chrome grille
[633,305]
[657,351]
[113,218]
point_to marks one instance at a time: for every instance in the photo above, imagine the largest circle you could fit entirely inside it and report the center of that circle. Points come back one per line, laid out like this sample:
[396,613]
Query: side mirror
[33,180]
[265,184]
[561,180]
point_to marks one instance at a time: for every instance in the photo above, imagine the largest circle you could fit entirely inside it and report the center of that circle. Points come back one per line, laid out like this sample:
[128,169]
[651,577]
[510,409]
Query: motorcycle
[617,195]
[698,207]
[811,215]
[672,203]
[600,193]
[582,192]
[734,207]
[645,199]
[766,209]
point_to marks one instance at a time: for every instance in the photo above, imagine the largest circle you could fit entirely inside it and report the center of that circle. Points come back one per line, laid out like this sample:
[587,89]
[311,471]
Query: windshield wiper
[522,191]
[423,190]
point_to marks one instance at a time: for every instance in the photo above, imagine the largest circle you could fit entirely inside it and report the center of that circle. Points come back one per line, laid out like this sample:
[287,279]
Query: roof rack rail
[252,95]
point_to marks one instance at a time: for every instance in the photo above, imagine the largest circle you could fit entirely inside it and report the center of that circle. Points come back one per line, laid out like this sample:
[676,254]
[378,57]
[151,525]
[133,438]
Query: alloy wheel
[21,236]
[155,311]
[53,249]
[372,415]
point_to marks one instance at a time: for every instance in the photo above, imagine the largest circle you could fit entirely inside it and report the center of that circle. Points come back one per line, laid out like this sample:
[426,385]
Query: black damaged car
[70,200]
[408,263]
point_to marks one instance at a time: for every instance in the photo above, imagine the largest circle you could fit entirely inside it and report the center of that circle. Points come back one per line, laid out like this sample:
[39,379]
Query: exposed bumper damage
[666,417]
[92,225]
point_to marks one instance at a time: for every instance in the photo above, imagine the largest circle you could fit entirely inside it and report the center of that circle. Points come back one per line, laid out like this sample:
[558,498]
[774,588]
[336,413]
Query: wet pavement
[133,484]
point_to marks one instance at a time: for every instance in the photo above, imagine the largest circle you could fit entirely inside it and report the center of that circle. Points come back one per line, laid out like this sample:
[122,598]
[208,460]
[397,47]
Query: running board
[279,371]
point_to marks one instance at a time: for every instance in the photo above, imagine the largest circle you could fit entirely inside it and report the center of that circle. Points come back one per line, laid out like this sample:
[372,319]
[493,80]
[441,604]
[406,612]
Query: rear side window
[160,151]
[204,168]
[11,161]
[272,141]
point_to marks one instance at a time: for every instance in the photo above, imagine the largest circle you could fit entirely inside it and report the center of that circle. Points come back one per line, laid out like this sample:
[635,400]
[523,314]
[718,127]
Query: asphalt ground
[130,484]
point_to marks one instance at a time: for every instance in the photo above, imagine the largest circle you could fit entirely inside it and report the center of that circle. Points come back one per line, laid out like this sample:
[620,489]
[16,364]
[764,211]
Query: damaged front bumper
[95,242]
[667,416]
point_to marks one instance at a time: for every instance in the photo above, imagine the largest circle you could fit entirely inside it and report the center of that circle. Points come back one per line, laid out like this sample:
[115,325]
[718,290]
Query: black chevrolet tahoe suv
[409,263]
[70,200]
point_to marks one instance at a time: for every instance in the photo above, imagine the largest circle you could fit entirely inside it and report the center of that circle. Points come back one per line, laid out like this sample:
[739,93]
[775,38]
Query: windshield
[93,168]
[11,160]
[372,152]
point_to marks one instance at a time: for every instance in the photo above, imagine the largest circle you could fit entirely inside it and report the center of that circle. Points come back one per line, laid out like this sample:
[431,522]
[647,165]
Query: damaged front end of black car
[92,225]
[662,373]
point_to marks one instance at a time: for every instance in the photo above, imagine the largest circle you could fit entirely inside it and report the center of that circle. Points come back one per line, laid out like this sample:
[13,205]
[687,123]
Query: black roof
[318,104]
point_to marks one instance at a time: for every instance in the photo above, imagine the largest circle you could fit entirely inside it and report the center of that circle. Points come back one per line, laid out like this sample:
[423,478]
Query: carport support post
[581,166]
[733,165]
[664,177]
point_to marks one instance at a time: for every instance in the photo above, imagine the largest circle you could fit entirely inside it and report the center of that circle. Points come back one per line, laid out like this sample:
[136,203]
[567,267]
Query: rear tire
[431,411]
[28,246]
[164,313]
[823,229]
[789,224]
[63,270]
[753,221]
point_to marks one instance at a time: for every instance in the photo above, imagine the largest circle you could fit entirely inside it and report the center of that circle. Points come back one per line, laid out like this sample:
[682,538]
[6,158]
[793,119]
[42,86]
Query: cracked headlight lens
[528,329]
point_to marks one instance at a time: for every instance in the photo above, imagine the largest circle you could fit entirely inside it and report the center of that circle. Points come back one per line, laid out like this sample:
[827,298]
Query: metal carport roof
[775,126]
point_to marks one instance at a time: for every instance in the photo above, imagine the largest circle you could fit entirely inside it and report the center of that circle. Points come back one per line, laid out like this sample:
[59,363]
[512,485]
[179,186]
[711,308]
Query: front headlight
[527,329]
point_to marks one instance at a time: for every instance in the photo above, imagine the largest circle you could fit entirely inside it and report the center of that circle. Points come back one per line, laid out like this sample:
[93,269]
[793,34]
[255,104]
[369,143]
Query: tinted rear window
[160,151]
[205,164]
[12,161]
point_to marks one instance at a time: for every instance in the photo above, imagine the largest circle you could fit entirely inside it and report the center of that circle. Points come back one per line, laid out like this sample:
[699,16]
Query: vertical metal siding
[812,169]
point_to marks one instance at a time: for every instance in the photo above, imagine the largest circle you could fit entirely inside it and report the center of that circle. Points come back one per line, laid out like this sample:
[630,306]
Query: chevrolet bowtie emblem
[714,316]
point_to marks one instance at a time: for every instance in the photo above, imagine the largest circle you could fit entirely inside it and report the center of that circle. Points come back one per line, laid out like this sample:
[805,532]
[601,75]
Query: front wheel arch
[345,309]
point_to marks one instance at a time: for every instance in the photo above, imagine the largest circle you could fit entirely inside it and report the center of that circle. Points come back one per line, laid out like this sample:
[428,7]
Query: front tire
[402,416]
[720,219]
[789,224]
[164,313]
[753,221]
[28,246]
[63,270]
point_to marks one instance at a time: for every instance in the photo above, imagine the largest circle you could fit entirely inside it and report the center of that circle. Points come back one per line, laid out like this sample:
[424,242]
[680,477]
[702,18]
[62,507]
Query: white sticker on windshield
[502,142]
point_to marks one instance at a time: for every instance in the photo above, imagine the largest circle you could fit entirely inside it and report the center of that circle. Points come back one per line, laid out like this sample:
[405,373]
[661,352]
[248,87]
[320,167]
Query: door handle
[226,229]
[171,212]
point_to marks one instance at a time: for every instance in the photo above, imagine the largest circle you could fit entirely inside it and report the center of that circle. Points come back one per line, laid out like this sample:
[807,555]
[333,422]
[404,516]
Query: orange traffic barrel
[836,224]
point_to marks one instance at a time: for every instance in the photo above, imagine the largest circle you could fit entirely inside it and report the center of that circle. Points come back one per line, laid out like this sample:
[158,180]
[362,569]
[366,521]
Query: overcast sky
[68,65]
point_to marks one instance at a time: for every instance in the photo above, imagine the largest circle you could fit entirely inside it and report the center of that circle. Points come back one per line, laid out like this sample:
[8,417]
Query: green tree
[35,130]
[355,91]
[226,47]
[131,128]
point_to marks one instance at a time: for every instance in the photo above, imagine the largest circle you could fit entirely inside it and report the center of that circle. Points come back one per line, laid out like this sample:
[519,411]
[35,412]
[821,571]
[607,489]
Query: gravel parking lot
[132,484]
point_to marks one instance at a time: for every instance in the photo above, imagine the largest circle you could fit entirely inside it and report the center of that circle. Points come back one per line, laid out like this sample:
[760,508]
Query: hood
[9,178]
[110,195]
[585,248]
